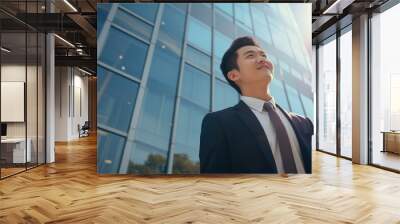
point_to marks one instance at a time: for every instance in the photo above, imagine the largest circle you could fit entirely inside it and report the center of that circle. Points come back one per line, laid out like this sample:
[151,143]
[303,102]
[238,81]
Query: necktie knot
[269,106]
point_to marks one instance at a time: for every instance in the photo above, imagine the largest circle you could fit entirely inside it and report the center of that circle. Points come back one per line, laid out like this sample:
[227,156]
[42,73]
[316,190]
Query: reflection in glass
[121,50]
[261,27]
[217,69]
[242,31]
[278,92]
[280,38]
[242,14]
[199,35]
[109,151]
[225,7]
[327,97]
[194,104]
[385,87]
[308,106]
[133,24]
[202,12]
[155,120]
[147,159]
[115,99]
[172,27]
[221,44]
[224,24]
[198,58]
[225,96]
[102,12]
[294,100]
[346,94]
[147,11]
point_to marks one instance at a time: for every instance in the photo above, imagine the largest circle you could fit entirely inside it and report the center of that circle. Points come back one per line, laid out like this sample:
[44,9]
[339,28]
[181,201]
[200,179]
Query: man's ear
[233,75]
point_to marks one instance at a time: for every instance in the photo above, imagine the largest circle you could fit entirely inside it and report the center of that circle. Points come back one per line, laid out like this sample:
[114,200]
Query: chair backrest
[86,125]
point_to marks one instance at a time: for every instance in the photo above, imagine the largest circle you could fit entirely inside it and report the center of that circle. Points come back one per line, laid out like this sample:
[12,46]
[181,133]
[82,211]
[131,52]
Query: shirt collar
[255,103]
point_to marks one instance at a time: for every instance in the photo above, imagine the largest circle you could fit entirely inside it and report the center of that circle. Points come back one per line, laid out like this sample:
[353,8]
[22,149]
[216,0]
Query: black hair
[229,60]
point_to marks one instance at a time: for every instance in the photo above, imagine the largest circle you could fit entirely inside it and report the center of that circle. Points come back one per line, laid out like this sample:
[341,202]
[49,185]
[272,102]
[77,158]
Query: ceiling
[75,21]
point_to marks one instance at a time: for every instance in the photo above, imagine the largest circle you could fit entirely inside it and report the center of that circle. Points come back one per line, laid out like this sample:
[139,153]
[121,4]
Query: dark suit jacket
[233,141]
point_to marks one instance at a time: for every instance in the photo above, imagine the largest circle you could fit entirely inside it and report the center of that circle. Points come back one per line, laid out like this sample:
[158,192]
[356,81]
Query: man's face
[254,66]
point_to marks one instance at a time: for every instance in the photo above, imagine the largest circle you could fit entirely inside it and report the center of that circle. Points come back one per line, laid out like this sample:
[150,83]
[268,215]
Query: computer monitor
[3,129]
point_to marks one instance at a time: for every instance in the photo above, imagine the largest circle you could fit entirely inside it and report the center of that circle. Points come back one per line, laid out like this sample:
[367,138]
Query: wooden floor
[70,191]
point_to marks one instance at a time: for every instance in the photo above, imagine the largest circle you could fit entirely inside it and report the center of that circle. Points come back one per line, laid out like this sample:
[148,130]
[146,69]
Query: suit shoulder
[298,116]
[303,120]
[221,113]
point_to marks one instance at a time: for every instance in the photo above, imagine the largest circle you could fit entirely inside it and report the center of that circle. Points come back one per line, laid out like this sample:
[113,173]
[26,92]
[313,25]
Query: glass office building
[158,75]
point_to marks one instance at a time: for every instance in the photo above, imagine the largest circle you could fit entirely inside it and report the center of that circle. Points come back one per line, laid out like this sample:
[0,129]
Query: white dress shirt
[256,106]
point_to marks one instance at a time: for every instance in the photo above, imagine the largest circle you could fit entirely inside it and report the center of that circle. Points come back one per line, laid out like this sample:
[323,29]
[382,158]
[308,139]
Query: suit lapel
[300,138]
[251,121]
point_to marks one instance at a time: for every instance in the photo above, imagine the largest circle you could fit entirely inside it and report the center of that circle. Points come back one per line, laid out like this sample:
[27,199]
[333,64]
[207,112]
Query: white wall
[12,73]
[70,84]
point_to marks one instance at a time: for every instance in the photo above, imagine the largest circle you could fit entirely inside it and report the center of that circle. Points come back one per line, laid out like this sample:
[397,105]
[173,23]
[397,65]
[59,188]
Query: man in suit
[256,135]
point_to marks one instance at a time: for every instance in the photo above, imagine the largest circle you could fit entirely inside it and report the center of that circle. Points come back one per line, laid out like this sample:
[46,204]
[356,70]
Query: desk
[391,141]
[15,148]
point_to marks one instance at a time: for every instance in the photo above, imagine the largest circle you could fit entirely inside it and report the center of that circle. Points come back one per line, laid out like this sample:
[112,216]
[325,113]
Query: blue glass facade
[159,75]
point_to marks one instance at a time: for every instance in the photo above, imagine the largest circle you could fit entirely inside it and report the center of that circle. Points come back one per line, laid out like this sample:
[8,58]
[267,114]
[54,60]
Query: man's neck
[259,93]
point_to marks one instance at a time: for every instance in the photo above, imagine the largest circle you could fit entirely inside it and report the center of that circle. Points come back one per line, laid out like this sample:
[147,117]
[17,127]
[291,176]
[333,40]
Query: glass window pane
[280,38]
[103,9]
[225,7]
[13,73]
[346,94]
[198,58]
[294,100]
[224,24]
[221,44]
[327,97]
[217,69]
[116,99]
[385,85]
[202,12]
[278,92]
[199,35]
[225,96]
[309,106]
[133,24]
[109,151]
[145,10]
[243,31]
[242,14]
[194,83]
[120,50]
[261,28]
[155,120]
[147,159]
[193,107]
[172,27]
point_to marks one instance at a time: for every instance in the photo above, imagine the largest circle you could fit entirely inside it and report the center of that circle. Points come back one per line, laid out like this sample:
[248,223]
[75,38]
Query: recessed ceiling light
[5,49]
[64,40]
[71,6]
[84,71]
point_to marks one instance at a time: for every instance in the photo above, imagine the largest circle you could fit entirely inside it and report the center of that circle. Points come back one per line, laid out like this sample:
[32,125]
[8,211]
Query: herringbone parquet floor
[70,191]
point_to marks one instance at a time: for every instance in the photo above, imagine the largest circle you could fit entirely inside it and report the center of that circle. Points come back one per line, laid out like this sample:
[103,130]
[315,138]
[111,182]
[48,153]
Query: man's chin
[269,74]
